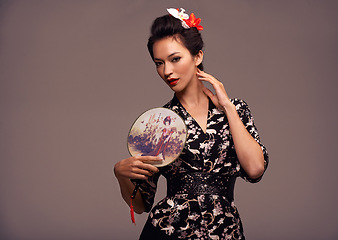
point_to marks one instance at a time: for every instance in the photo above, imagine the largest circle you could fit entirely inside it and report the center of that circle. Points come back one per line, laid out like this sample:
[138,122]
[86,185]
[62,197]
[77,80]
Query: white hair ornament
[187,22]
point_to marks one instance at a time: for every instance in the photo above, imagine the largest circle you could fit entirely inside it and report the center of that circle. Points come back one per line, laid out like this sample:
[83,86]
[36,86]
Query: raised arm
[249,152]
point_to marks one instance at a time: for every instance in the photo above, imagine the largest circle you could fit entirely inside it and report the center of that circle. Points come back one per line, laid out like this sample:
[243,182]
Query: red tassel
[132,211]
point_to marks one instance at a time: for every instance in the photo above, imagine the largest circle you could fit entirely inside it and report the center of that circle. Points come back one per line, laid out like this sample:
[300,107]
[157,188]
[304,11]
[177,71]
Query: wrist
[228,107]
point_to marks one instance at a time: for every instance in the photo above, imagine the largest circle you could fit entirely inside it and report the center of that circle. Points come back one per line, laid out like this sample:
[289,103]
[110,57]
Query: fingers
[141,167]
[217,85]
[208,92]
[220,98]
[137,167]
[211,95]
[147,167]
[141,172]
[203,76]
[149,159]
[138,176]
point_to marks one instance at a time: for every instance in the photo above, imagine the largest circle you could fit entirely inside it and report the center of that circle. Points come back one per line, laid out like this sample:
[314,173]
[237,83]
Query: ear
[198,58]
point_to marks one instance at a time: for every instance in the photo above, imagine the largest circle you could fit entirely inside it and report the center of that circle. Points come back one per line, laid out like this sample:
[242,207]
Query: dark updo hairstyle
[168,26]
[167,119]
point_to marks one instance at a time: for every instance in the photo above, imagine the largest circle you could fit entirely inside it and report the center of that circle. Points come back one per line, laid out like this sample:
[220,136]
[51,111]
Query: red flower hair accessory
[187,22]
[194,22]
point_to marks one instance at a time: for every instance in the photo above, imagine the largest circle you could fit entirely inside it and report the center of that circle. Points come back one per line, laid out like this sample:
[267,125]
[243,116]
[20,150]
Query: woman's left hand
[220,99]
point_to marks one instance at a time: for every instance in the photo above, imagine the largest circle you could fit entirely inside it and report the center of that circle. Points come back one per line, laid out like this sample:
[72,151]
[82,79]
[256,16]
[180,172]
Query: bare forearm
[249,152]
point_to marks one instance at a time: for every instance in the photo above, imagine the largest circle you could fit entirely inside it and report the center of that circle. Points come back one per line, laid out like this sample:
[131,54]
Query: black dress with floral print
[199,215]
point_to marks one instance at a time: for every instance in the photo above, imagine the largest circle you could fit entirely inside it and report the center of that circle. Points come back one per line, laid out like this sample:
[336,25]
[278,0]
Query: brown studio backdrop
[74,75]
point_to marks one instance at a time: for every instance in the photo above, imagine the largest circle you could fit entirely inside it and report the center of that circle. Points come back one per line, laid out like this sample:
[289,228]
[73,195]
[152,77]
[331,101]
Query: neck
[193,95]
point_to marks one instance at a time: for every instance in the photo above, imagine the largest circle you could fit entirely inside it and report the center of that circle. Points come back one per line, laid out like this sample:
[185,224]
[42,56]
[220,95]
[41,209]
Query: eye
[176,59]
[158,64]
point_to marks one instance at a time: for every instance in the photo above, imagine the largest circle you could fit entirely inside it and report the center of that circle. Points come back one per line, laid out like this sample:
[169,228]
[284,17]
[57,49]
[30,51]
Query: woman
[163,140]
[222,144]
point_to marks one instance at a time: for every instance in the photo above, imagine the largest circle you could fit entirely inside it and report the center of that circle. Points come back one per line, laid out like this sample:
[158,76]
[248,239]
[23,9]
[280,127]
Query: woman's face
[174,63]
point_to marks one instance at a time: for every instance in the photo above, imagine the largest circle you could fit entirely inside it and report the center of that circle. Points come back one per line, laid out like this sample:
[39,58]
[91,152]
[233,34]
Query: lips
[172,81]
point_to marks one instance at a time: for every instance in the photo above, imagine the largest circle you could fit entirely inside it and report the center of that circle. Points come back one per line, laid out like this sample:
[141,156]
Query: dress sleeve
[248,121]
[148,189]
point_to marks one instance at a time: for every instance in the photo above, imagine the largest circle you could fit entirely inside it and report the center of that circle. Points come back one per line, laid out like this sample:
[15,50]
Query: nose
[167,70]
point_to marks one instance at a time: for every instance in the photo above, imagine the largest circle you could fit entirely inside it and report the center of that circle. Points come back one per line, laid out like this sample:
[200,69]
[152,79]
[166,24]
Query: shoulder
[239,103]
[242,107]
[172,104]
[168,104]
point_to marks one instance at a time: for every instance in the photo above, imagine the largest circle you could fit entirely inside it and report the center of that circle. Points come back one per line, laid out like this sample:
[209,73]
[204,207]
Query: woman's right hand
[138,167]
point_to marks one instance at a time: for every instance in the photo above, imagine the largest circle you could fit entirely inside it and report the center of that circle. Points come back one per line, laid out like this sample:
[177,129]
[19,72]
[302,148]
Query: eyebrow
[167,57]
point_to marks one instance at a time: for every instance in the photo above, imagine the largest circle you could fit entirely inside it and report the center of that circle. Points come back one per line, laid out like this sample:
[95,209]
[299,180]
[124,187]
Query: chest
[200,116]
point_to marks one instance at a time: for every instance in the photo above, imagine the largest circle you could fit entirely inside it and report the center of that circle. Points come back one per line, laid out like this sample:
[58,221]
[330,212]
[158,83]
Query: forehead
[166,46]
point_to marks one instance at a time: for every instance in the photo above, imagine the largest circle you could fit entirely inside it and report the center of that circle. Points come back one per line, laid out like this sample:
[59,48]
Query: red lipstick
[172,81]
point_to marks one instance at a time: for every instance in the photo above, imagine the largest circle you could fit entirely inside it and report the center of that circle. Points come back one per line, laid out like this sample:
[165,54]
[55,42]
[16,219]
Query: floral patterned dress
[200,183]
